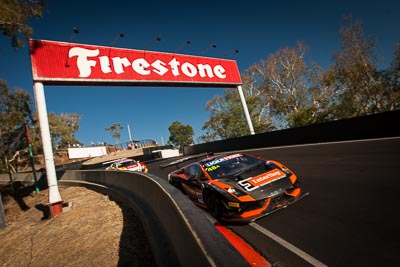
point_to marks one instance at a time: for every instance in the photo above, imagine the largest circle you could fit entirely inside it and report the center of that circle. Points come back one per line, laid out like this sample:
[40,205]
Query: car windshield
[126,163]
[230,165]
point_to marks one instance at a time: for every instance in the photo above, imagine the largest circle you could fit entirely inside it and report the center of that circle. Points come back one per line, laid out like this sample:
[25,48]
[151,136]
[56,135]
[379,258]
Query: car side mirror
[179,171]
[200,177]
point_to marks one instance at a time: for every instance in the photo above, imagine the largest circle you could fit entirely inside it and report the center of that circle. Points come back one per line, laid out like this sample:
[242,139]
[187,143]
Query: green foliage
[360,87]
[15,112]
[286,91]
[280,92]
[15,108]
[180,134]
[390,80]
[115,131]
[227,118]
[62,129]
[15,16]
[292,89]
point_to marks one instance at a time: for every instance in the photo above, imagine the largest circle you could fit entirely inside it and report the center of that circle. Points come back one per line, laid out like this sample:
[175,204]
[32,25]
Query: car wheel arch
[213,202]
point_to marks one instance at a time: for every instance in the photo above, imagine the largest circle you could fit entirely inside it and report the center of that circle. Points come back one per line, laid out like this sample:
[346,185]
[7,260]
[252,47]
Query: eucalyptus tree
[361,88]
[292,89]
[227,118]
[115,129]
[15,113]
[390,79]
[15,108]
[63,128]
[180,134]
[15,16]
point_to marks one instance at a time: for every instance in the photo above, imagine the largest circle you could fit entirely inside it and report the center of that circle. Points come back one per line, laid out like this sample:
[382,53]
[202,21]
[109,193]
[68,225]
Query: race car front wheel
[214,205]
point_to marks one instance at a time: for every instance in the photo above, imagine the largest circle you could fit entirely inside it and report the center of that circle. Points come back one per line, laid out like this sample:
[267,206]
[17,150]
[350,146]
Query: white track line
[289,246]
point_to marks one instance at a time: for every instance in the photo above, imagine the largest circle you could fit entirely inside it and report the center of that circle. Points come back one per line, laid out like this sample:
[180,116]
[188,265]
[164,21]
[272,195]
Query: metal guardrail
[136,144]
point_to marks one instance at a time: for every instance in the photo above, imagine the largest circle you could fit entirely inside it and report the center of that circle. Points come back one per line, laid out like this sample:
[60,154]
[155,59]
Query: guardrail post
[3,221]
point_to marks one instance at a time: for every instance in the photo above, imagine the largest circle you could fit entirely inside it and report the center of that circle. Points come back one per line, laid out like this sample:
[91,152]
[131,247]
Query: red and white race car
[126,164]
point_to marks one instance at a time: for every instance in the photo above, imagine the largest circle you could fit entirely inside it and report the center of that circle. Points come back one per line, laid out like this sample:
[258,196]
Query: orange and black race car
[236,187]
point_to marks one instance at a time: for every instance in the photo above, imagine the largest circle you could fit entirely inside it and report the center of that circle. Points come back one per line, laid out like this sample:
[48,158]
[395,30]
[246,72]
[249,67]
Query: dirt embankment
[95,231]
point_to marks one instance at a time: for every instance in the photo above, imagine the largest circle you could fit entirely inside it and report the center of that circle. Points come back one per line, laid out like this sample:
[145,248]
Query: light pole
[129,133]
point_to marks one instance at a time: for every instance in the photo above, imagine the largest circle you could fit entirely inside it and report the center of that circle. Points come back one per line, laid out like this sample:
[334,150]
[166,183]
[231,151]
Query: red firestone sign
[60,63]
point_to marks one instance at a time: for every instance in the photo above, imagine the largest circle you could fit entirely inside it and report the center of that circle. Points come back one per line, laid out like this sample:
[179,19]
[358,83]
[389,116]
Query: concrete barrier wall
[372,126]
[86,152]
[179,233]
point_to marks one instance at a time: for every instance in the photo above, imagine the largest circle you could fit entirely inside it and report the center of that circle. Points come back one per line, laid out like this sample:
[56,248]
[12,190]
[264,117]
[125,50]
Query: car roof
[125,160]
[211,158]
[201,161]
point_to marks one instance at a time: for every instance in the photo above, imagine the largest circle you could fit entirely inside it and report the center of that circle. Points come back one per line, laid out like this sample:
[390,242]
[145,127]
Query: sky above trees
[256,30]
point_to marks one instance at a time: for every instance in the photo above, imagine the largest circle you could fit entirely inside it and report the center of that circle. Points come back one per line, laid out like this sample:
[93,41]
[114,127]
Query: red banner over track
[60,63]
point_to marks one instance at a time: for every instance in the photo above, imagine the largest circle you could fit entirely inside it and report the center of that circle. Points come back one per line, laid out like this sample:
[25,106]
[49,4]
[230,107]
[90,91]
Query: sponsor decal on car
[253,183]
[234,204]
[219,160]
[212,168]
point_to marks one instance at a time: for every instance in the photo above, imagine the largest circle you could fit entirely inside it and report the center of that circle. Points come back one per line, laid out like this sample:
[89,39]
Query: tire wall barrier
[379,125]
[180,234]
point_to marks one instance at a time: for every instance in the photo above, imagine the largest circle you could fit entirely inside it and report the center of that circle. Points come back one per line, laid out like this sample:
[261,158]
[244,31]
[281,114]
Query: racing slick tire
[214,205]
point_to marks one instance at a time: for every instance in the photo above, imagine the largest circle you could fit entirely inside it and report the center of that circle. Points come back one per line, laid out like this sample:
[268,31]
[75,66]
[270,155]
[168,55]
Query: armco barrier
[179,233]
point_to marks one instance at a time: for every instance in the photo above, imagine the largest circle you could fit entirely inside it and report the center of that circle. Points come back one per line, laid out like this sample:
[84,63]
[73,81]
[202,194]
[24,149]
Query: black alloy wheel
[214,205]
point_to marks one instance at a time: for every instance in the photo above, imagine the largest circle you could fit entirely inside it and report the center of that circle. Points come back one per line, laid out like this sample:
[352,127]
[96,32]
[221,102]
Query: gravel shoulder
[94,231]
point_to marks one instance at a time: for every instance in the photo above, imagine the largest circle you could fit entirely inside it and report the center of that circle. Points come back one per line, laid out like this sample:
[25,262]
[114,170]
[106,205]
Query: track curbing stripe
[252,257]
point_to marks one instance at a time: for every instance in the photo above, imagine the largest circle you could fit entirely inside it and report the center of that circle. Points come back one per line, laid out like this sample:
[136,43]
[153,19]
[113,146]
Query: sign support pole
[55,201]
[246,111]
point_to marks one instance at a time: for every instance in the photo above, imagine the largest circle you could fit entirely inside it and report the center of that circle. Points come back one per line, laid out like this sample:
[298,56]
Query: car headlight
[286,170]
[236,192]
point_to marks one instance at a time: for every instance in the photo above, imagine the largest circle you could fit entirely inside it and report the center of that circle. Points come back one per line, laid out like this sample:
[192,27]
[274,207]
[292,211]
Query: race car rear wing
[176,162]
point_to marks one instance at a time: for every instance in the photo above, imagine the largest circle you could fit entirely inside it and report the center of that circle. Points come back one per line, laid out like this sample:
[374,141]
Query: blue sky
[255,28]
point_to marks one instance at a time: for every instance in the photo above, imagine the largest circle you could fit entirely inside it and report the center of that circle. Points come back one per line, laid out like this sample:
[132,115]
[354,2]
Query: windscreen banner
[61,63]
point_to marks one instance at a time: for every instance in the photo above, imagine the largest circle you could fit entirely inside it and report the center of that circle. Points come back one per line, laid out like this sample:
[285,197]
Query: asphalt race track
[349,218]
